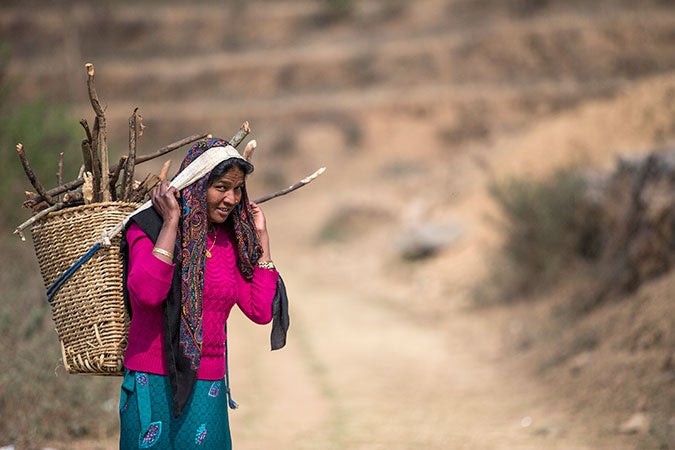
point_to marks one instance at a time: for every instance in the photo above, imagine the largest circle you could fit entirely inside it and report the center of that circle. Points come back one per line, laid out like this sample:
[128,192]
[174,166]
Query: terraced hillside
[286,64]
[415,107]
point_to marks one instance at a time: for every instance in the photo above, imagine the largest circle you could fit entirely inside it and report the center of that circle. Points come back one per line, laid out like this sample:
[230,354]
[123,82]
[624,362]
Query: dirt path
[358,375]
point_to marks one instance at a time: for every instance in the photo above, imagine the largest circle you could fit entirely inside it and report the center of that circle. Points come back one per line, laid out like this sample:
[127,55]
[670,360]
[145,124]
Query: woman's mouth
[224,211]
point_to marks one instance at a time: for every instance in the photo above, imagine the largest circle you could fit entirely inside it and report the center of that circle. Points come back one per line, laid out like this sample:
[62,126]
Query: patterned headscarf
[191,246]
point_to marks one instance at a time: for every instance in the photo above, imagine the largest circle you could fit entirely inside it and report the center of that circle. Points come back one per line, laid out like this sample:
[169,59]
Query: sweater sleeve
[149,278]
[255,297]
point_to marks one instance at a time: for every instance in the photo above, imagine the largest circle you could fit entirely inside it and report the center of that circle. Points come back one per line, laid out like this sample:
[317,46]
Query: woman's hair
[226,165]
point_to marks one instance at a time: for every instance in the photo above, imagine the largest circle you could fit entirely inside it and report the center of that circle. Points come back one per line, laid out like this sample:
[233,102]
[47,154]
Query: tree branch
[19,230]
[115,175]
[170,147]
[87,131]
[128,179]
[249,150]
[59,170]
[31,175]
[240,135]
[87,156]
[165,170]
[141,159]
[102,149]
[291,188]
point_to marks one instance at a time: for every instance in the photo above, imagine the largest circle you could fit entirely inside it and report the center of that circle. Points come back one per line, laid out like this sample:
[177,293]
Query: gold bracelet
[266,265]
[161,251]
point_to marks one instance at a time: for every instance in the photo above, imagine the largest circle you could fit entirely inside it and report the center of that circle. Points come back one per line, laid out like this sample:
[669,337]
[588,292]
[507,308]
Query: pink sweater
[149,281]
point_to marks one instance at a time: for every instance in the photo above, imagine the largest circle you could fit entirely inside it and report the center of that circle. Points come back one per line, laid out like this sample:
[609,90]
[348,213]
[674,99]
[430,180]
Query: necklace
[208,250]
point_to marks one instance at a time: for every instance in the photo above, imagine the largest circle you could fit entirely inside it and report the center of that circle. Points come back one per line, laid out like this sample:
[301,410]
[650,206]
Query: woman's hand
[164,200]
[261,228]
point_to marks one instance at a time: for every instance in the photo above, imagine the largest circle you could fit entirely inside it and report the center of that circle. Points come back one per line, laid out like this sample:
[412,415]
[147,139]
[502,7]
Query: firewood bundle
[77,248]
[101,182]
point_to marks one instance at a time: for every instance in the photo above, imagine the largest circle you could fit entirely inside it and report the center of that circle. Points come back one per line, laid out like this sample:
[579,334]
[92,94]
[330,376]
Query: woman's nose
[229,198]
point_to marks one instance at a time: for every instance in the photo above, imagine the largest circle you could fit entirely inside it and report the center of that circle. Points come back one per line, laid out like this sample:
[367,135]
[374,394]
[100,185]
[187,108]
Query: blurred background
[485,263]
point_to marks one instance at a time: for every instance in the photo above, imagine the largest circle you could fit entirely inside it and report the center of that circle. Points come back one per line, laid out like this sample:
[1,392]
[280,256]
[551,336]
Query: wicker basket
[88,310]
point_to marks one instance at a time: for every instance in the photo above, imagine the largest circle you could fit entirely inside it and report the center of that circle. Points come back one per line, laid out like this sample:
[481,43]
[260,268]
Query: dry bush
[544,232]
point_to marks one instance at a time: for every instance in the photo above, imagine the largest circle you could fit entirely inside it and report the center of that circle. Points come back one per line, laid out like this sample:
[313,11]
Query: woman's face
[224,194]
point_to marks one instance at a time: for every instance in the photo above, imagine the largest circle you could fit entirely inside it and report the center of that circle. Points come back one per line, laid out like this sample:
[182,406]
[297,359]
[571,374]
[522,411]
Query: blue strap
[128,385]
[139,383]
[143,398]
[230,402]
[56,285]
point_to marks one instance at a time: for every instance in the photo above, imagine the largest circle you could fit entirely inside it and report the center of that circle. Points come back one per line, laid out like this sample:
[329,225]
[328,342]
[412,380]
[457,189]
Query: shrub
[545,231]
[339,8]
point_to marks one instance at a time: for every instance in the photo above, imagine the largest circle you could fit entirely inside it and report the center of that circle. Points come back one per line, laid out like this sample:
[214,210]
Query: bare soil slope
[415,107]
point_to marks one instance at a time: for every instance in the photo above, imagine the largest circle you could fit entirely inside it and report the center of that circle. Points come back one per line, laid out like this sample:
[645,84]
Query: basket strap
[230,401]
[56,285]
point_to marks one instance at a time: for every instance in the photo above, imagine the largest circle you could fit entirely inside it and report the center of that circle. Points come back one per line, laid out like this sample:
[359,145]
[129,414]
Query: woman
[189,260]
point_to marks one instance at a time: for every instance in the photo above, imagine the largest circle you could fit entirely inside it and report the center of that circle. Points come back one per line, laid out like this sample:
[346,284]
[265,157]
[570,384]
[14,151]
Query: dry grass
[39,401]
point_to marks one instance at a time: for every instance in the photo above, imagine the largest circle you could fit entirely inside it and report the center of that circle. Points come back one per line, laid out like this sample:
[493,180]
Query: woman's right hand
[164,200]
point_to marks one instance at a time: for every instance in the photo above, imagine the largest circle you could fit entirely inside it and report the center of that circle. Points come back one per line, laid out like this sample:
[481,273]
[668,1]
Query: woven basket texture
[88,310]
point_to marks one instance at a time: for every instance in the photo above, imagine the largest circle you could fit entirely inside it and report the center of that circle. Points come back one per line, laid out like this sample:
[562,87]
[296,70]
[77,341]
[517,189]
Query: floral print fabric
[147,421]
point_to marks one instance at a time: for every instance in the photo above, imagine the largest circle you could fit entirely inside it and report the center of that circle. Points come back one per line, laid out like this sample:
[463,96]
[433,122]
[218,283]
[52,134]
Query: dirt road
[357,375]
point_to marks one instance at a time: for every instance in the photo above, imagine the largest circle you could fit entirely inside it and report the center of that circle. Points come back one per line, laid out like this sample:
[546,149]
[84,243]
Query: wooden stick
[87,131]
[102,149]
[128,179]
[31,175]
[88,192]
[19,230]
[57,190]
[95,159]
[95,132]
[115,175]
[297,185]
[87,156]
[59,171]
[249,150]
[40,206]
[71,197]
[170,147]
[32,197]
[165,170]
[141,159]
[240,135]
[148,183]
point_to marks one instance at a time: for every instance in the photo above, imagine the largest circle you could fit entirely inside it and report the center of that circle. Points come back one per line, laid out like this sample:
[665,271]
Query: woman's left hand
[258,218]
[261,228]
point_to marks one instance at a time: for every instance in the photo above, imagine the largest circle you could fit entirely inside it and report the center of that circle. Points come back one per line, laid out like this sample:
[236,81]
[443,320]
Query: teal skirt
[146,420]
